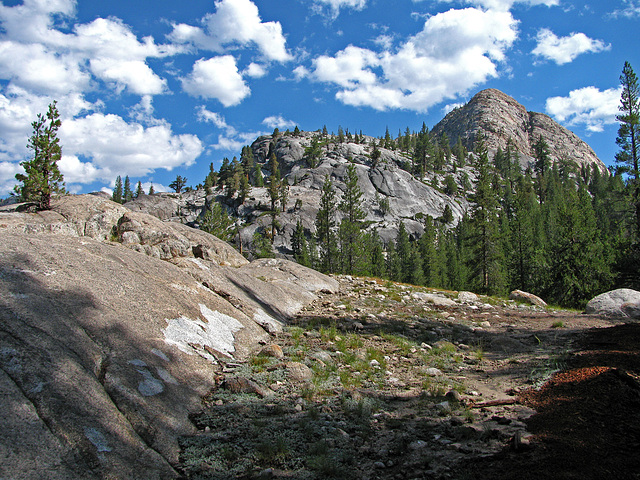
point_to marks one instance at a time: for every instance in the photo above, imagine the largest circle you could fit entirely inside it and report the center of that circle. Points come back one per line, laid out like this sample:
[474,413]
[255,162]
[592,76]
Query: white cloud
[255,70]
[451,107]
[231,139]
[236,22]
[208,116]
[336,5]
[631,9]
[279,122]
[217,78]
[36,54]
[455,51]
[565,49]
[114,146]
[588,106]
[503,5]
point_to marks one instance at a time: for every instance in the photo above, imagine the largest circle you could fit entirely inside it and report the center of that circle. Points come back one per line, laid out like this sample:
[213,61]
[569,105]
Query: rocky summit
[500,118]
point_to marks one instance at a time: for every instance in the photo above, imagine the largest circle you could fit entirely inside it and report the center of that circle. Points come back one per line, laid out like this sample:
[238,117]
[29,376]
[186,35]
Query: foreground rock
[105,349]
[622,302]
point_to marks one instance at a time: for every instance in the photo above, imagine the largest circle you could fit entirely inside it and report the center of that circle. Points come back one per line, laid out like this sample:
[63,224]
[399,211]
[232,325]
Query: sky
[153,89]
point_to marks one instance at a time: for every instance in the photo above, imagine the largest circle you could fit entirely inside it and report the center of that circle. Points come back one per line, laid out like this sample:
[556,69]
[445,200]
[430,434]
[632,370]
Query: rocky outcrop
[113,325]
[500,118]
[622,302]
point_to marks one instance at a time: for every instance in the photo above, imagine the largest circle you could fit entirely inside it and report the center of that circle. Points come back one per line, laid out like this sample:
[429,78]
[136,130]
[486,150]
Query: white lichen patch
[215,333]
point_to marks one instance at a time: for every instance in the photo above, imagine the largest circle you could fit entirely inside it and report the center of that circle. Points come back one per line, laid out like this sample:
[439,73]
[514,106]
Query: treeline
[556,231]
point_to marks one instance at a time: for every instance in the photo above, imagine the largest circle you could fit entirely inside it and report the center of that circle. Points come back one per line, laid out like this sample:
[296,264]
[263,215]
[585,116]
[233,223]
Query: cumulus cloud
[36,54]
[565,49]
[114,145]
[217,78]
[235,23]
[455,51]
[255,70]
[279,122]
[588,106]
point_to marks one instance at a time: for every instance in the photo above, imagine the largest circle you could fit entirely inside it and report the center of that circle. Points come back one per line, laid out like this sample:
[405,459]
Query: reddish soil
[587,424]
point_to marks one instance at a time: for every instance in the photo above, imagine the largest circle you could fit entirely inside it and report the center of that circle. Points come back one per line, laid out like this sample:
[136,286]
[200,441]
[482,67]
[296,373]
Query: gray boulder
[526,297]
[622,302]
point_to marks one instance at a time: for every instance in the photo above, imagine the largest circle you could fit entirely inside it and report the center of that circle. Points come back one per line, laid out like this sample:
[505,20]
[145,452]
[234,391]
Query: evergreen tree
[350,231]
[151,189]
[245,188]
[486,256]
[259,179]
[42,177]
[127,194]
[524,239]
[262,245]
[312,153]
[284,193]
[375,254]
[217,222]
[325,228]
[577,271]
[299,246]
[139,190]
[427,250]
[629,137]
[178,184]
[542,163]
[117,190]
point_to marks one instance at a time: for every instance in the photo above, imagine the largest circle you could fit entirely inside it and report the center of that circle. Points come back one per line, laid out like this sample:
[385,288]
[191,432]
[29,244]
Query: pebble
[379,465]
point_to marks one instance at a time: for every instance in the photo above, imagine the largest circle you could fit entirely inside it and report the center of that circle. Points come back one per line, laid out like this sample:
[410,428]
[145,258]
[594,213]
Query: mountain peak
[500,118]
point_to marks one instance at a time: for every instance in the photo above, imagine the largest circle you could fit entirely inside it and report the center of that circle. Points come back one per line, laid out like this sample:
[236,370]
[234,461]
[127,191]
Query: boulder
[468,297]
[622,302]
[525,297]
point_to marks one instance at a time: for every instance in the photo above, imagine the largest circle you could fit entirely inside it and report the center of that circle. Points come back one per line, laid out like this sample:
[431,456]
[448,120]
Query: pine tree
[151,190]
[42,176]
[117,190]
[259,179]
[262,245]
[127,194]
[486,256]
[522,260]
[299,245]
[312,153]
[245,188]
[375,254]
[139,190]
[217,222]
[350,231]
[629,137]
[325,228]
[178,184]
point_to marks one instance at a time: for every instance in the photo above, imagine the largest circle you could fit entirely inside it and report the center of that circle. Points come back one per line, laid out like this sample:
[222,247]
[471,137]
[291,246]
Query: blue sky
[155,89]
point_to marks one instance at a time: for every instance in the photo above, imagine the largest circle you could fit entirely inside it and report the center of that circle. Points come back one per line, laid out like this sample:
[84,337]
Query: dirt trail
[385,381]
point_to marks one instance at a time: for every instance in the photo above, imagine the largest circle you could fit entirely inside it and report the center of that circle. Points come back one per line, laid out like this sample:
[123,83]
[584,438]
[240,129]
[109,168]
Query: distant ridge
[499,118]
